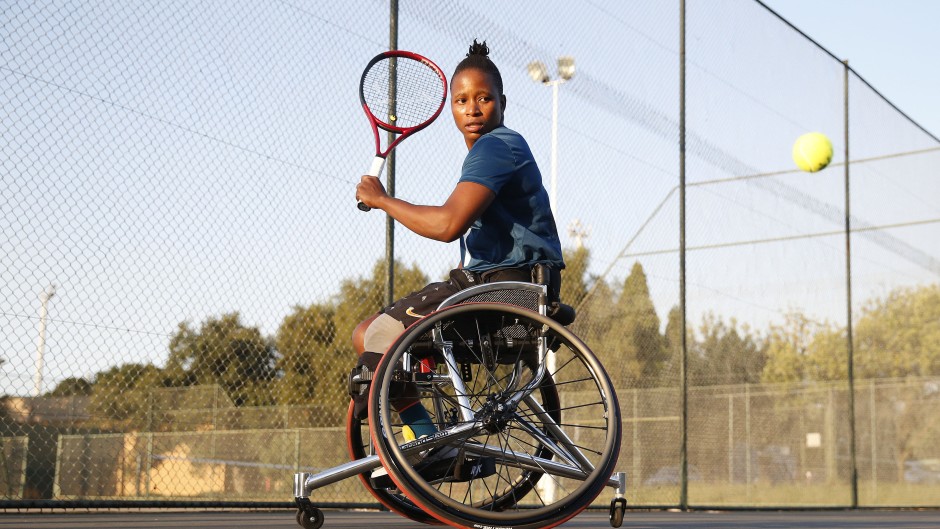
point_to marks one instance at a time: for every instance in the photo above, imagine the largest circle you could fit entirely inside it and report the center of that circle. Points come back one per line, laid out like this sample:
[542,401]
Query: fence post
[297,450]
[730,437]
[149,463]
[390,160]
[747,438]
[848,291]
[636,436]
[872,439]
[683,368]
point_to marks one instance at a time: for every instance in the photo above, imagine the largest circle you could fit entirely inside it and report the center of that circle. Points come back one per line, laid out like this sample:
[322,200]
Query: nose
[473,108]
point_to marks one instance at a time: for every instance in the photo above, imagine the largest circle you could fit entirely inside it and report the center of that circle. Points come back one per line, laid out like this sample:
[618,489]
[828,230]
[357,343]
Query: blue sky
[185,168]
[892,45]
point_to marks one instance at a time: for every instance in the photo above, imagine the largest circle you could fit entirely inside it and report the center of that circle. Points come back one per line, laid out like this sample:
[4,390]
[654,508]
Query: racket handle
[378,163]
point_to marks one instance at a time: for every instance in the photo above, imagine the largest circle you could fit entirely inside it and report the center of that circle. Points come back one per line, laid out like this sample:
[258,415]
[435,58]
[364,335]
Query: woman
[499,198]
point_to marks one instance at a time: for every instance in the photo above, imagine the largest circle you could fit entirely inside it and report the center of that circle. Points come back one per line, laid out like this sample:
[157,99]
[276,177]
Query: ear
[502,100]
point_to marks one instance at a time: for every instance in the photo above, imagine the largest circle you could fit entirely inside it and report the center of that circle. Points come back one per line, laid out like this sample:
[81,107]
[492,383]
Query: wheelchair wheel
[357,440]
[502,431]
[359,447]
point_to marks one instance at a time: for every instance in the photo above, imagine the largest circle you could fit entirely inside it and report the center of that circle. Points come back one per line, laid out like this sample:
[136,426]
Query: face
[476,104]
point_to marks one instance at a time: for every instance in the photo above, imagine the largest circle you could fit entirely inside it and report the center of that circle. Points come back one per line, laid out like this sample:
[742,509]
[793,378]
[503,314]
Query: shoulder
[504,135]
[501,139]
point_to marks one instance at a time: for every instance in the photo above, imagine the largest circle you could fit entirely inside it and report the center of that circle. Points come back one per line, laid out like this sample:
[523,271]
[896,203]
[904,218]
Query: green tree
[899,335]
[327,345]
[223,351]
[788,347]
[305,342]
[360,298]
[726,354]
[640,348]
[120,395]
[71,386]
[672,345]
[573,284]
[596,315]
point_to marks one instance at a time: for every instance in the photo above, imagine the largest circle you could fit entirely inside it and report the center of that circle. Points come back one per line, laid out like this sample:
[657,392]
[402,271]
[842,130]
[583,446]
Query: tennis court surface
[863,519]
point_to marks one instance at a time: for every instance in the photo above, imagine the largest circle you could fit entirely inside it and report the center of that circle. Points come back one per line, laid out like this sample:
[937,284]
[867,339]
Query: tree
[315,343]
[596,315]
[573,284]
[725,354]
[897,336]
[640,348]
[788,348]
[672,345]
[120,394]
[900,335]
[223,351]
[360,298]
[71,386]
[305,343]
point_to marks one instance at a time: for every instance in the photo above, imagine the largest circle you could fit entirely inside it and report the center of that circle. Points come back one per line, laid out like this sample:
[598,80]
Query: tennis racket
[401,92]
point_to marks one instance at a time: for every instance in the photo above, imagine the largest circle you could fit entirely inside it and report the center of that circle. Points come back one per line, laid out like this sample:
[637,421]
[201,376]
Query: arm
[442,223]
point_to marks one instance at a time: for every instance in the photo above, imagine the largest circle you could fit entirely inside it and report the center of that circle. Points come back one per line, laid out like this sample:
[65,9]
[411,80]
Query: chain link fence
[182,261]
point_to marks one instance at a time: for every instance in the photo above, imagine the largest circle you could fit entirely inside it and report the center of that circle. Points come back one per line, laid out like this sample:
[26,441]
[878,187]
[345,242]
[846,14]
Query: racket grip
[378,163]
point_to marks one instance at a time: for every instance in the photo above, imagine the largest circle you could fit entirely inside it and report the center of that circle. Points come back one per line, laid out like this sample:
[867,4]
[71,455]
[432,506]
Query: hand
[370,191]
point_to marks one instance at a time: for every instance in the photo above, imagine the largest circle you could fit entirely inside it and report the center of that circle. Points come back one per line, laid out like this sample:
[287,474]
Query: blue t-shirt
[518,227]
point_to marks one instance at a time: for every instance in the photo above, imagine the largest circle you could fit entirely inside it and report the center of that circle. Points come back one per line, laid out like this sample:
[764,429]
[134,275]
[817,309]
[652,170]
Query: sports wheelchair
[525,410]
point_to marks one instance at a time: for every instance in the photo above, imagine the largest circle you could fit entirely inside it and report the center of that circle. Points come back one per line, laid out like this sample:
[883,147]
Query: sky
[154,190]
[892,45]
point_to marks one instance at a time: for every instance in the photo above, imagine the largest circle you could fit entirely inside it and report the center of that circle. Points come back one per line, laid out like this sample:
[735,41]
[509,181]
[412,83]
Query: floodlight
[566,67]
[538,72]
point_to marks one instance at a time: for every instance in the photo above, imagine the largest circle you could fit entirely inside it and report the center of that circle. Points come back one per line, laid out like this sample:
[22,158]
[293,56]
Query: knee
[381,333]
[359,334]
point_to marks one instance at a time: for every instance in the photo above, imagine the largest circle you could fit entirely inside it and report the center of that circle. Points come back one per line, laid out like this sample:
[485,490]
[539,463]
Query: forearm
[433,222]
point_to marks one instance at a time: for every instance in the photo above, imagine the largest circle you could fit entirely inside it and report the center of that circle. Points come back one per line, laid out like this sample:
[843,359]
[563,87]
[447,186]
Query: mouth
[473,127]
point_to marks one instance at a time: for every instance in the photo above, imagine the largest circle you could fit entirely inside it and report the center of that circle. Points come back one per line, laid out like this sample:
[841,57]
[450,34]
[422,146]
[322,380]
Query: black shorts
[419,304]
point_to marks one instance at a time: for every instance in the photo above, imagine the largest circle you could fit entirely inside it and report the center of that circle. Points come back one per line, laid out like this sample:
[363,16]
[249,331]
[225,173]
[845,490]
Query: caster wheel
[617,508]
[310,519]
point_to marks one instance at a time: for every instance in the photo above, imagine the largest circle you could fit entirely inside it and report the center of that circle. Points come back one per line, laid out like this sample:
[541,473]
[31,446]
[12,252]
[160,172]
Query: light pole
[41,340]
[539,73]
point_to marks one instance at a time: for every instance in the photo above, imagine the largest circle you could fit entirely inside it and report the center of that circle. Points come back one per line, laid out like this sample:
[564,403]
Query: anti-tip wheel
[617,508]
[310,519]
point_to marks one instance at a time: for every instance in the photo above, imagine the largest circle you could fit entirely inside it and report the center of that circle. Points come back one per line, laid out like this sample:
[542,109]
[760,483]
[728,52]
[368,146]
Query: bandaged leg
[382,333]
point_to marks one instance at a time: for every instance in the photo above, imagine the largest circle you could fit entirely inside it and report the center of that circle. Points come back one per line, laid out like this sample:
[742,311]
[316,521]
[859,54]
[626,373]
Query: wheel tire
[617,507]
[310,519]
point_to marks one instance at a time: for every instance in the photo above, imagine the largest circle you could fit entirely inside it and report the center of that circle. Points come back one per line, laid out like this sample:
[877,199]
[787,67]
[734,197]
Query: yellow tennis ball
[812,151]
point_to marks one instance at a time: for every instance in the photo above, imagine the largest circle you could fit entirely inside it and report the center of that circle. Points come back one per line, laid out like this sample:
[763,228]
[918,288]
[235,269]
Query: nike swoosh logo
[412,313]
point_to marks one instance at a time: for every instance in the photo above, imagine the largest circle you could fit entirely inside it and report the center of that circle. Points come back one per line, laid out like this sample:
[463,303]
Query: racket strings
[419,92]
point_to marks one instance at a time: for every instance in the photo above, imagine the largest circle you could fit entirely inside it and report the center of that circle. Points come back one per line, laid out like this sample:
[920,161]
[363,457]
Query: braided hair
[478,58]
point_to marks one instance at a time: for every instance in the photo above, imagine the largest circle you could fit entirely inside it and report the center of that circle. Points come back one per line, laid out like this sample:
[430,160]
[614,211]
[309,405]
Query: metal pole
[554,180]
[873,439]
[41,339]
[683,367]
[390,160]
[848,292]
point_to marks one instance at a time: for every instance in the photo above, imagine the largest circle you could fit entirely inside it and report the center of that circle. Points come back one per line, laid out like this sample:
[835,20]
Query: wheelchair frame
[564,460]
